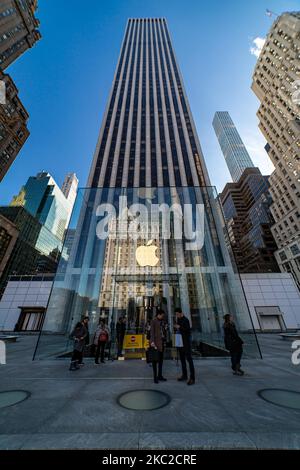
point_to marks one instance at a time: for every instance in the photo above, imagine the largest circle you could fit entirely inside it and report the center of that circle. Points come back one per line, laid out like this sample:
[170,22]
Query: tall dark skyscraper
[148,137]
[148,157]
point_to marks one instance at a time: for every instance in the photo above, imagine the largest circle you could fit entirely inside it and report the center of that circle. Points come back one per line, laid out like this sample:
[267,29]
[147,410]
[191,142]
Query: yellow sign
[133,342]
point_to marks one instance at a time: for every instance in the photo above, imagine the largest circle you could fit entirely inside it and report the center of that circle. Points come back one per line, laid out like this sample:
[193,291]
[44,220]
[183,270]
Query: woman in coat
[157,338]
[78,334]
[100,339]
[234,344]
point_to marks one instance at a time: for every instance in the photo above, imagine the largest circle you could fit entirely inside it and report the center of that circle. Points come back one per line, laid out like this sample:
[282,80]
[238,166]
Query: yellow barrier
[133,342]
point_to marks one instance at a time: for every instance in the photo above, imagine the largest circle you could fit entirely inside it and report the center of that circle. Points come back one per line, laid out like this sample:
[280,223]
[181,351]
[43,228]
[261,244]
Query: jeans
[120,341]
[77,356]
[236,357]
[185,354]
[160,364]
[100,351]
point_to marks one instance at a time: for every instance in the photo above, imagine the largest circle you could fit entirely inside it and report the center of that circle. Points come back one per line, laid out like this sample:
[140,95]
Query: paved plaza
[79,410]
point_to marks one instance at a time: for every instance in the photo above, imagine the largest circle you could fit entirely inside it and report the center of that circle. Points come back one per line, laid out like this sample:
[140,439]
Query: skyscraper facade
[235,153]
[18,29]
[13,125]
[43,198]
[18,32]
[148,158]
[276,84]
[148,136]
[39,214]
[33,249]
[69,187]
[246,206]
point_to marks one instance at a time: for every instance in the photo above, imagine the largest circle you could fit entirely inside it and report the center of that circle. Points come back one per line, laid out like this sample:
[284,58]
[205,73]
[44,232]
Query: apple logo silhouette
[146,256]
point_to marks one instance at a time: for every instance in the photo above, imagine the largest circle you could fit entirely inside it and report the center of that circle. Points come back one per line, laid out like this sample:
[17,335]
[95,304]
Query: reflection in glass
[131,276]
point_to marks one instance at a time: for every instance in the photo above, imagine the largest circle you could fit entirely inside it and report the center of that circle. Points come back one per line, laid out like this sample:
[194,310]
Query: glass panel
[128,251]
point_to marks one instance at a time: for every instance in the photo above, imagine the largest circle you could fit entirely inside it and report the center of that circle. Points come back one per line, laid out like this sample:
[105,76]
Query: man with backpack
[100,339]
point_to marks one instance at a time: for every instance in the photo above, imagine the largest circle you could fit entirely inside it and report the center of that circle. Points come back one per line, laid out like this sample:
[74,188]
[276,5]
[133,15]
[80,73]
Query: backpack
[103,337]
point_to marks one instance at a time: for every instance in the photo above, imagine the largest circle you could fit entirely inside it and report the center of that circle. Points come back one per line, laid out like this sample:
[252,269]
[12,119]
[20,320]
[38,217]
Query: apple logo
[145,255]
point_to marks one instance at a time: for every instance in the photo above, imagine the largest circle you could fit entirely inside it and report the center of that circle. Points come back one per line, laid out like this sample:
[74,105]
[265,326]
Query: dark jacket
[79,335]
[185,330]
[231,338]
[156,336]
[121,329]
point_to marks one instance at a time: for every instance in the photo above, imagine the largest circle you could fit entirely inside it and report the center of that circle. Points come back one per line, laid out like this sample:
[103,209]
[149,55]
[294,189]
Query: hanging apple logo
[145,255]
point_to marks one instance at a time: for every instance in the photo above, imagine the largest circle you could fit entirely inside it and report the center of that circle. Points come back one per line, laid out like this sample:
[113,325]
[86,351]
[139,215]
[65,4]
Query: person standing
[157,342]
[78,335]
[233,343]
[182,325]
[120,330]
[85,324]
[100,339]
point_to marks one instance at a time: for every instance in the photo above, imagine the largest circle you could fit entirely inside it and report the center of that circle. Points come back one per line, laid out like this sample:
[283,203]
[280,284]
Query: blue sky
[65,79]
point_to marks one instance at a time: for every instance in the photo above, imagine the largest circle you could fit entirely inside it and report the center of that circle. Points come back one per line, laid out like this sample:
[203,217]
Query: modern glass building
[246,205]
[35,248]
[44,199]
[146,232]
[235,153]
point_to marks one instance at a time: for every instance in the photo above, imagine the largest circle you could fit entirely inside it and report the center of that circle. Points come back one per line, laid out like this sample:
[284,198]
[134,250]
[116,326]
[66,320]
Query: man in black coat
[185,352]
[233,343]
[120,330]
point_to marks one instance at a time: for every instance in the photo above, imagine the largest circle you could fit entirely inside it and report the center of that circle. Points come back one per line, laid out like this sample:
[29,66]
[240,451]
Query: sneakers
[191,382]
[162,379]
[182,379]
[238,372]
[74,365]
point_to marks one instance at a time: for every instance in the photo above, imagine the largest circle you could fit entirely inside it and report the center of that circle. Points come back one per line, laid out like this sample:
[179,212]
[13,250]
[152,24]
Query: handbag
[178,340]
[152,355]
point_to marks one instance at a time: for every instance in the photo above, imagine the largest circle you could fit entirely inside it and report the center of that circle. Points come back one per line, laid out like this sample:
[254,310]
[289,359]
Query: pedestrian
[100,339]
[85,323]
[120,333]
[233,343]
[78,334]
[182,326]
[157,338]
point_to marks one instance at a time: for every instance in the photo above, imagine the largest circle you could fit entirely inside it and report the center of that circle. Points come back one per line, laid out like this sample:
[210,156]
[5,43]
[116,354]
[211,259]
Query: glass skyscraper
[146,232]
[44,199]
[235,153]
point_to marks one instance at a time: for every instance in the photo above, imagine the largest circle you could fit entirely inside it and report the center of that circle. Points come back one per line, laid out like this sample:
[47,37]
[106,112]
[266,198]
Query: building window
[295,250]
[282,256]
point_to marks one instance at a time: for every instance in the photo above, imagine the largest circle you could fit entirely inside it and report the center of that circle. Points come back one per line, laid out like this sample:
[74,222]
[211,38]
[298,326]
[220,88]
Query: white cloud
[258,45]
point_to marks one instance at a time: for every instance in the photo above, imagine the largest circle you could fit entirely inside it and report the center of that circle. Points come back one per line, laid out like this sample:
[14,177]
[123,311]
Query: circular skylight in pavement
[143,400]
[12,397]
[277,396]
